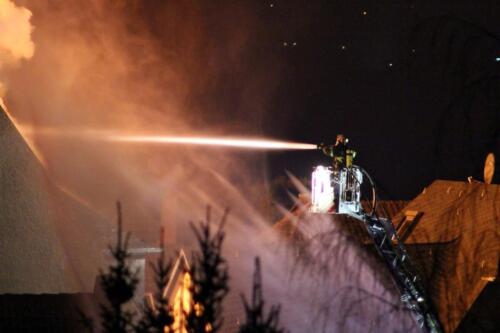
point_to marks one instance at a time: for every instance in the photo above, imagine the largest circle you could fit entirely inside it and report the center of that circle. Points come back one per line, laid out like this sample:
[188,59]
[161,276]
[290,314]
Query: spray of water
[140,83]
[113,136]
[216,141]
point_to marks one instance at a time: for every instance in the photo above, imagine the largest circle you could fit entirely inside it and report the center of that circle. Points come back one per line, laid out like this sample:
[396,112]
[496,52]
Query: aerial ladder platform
[337,190]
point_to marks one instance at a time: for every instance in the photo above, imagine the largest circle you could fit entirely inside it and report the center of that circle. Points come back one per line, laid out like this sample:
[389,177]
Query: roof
[338,252]
[452,234]
[288,226]
[483,315]
[181,265]
[47,237]
[455,243]
[390,208]
[233,312]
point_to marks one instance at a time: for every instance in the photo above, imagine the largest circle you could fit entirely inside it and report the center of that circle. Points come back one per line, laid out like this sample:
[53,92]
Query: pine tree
[86,322]
[209,274]
[119,283]
[255,318]
[158,318]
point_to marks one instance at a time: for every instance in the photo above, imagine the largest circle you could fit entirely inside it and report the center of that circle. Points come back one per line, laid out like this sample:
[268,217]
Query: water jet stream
[263,144]
[115,136]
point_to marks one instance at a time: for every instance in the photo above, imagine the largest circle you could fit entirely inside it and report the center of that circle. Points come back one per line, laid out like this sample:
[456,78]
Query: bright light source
[497,59]
[336,193]
[321,190]
[182,303]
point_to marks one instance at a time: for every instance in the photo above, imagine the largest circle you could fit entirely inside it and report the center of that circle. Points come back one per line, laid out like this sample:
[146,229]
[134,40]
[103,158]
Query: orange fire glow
[182,304]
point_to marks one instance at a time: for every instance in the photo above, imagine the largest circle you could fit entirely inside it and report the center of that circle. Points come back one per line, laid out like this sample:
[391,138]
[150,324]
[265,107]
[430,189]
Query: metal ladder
[392,250]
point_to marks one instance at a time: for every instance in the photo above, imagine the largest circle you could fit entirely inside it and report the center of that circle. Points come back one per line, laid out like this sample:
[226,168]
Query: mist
[142,67]
[178,68]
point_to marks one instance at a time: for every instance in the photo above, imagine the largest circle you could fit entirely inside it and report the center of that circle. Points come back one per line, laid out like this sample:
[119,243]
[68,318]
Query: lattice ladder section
[397,260]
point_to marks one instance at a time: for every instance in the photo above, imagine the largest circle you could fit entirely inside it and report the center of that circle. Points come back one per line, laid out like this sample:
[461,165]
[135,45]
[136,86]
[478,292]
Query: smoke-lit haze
[173,68]
[176,67]
[15,37]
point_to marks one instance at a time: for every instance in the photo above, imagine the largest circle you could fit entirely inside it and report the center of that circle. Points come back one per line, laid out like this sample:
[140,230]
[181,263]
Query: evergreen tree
[119,283]
[209,274]
[158,318]
[256,322]
[85,321]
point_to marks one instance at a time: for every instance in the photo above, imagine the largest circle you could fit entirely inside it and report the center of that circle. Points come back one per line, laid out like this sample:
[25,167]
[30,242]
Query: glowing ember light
[182,304]
[207,141]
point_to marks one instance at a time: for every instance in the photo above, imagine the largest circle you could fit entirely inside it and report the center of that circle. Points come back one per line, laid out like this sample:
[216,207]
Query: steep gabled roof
[47,238]
[455,243]
[181,265]
[452,234]
[288,226]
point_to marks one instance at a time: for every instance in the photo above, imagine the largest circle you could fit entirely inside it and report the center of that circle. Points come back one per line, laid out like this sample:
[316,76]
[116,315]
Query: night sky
[413,84]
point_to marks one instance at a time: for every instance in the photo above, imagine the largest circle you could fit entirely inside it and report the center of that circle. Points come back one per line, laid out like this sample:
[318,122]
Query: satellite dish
[489,168]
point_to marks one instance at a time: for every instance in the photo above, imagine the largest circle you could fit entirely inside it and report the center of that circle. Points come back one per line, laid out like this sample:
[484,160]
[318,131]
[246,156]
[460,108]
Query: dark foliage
[462,57]
[209,273]
[119,283]
[85,321]
[256,321]
[209,286]
[158,317]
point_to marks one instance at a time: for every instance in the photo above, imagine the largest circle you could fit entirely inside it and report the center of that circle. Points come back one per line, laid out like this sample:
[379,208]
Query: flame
[211,141]
[182,304]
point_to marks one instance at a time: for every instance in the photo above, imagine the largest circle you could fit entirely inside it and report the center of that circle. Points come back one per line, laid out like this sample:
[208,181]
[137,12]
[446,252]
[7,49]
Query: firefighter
[340,152]
[343,157]
[349,156]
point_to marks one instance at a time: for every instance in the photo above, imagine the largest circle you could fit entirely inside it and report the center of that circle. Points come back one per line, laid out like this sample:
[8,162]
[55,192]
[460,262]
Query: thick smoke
[168,67]
[15,37]
[144,67]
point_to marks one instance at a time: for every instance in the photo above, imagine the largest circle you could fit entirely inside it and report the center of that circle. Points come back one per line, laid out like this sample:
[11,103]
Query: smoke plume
[178,68]
[174,67]
[15,37]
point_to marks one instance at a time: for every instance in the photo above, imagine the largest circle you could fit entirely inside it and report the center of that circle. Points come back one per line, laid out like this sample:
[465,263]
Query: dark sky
[413,84]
